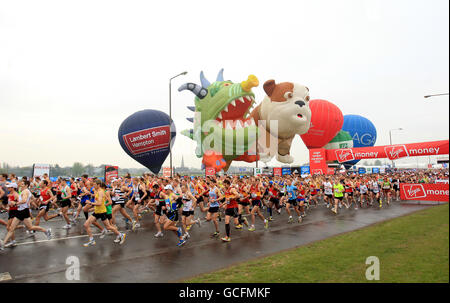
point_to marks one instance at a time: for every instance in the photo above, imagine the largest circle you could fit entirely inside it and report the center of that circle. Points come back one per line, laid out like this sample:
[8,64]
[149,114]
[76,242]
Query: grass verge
[412,248]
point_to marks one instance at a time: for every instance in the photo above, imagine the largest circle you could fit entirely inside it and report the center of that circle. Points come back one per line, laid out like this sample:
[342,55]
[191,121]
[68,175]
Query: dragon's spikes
[190,119]
[199,91]
[220,75]
[191,108]
[204,81]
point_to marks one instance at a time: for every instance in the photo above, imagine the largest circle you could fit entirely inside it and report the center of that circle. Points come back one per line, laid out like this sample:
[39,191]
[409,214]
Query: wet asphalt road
[144,258]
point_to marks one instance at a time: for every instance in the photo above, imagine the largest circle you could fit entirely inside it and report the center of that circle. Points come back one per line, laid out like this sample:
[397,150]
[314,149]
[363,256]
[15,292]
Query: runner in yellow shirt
[100,213]
[338,189]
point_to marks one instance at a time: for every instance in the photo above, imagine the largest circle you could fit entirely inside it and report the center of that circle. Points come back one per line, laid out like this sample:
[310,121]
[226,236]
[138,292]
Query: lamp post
[170,115]
[390,140]
[428,96]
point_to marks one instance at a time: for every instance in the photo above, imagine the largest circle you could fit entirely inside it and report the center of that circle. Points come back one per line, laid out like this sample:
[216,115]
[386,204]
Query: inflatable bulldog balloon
[283,113]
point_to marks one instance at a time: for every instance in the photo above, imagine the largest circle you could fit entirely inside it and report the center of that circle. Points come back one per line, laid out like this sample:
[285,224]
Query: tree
[77,169]
[89,169]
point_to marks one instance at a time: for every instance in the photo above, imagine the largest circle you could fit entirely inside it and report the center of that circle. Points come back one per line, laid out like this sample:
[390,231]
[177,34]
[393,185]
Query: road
[144,258]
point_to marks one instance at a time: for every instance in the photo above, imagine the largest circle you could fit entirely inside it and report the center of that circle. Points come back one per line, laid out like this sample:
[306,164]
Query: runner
[22,214]
[291,197]
[256,189]
[159,205]
[363,191]
[338,194]
[171,213]
[328,192]
[243,202]
[349,188]
[387,190]
[231,206]
[215,196]
[66,195]
[46,199]
[119,191]
[189,204]
[396,187]
[100,213]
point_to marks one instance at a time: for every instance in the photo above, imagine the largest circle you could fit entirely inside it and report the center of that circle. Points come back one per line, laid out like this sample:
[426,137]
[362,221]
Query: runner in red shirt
[47,198]
[231,208]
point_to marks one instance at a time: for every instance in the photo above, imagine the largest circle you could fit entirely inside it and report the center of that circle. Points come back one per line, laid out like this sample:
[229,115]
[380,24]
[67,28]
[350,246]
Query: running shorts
[274,200]
[45,206]
[232,212]
[213,209]
[256,203]
[12,214]
[244,202]
[101,216]
[65,203]
[172,216]
[292,202]
[23,214]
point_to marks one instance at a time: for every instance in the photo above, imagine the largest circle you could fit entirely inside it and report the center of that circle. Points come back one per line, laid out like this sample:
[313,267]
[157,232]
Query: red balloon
[326,122]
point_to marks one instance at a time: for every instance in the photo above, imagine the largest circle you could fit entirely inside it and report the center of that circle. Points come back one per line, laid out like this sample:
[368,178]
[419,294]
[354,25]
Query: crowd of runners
[178,203]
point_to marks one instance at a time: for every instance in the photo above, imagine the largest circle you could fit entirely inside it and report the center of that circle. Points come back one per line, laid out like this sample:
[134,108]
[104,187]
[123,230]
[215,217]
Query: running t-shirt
[363,188]
[232,202]
[213,197]
[99,209]
[25,205]
[338,190]
[375,187]
[328,189]
[290,190]
[45,196]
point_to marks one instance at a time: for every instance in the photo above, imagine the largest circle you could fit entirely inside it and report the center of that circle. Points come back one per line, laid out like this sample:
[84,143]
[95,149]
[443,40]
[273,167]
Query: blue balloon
[362,131]
[147,136]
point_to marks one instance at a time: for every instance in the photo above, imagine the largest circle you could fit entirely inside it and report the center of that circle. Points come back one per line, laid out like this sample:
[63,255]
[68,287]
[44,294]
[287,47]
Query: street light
[428,96]
[170,116]
[390,140]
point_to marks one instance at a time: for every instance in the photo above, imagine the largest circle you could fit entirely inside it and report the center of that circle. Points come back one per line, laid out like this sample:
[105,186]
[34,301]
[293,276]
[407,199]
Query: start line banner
[392,152]
[424,192]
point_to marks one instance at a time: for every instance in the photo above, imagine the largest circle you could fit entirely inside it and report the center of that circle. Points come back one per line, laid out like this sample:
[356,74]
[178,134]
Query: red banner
[424,192]
[277,171]
[318,161]
[210,171]
[147,139]
[166,172]
[392,152]
[111,172]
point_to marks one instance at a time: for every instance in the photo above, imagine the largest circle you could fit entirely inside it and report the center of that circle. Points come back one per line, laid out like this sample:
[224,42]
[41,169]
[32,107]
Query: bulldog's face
[288,103]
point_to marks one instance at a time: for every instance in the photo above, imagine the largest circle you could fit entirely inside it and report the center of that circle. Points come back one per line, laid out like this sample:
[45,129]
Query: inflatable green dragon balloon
[223,128]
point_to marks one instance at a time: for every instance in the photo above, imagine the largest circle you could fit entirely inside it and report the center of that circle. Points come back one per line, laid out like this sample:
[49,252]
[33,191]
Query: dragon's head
[222,112]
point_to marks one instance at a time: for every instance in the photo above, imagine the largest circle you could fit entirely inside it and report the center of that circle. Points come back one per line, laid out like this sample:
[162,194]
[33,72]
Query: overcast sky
[72,71]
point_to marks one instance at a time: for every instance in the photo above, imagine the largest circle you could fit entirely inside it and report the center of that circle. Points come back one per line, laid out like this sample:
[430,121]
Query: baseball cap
[168,187]
[14,185]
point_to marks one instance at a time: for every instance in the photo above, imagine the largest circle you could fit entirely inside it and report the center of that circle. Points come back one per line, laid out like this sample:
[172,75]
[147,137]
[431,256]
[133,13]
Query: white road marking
[5,276]
[65,238]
